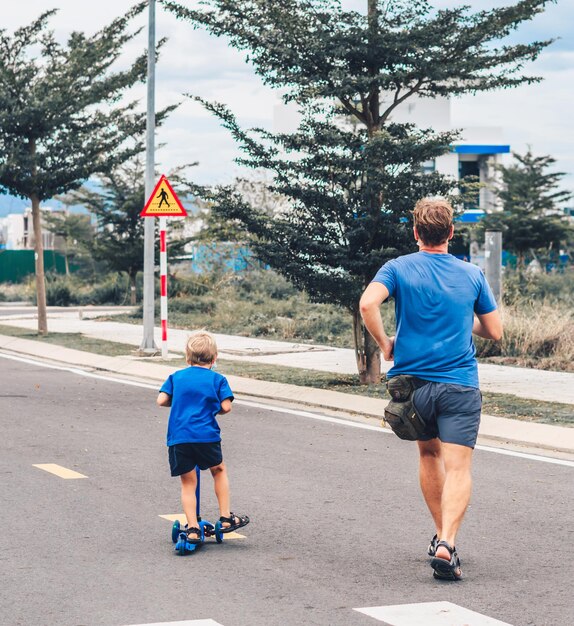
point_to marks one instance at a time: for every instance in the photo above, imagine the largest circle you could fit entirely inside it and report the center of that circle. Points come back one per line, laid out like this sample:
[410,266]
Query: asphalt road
[337,519]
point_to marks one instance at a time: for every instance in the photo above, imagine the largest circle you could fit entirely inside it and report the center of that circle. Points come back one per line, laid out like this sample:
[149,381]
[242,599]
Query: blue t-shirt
[196,397]
[436,296]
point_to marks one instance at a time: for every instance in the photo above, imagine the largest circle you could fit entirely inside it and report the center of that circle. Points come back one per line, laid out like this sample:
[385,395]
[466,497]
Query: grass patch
[76,341]
[497,404]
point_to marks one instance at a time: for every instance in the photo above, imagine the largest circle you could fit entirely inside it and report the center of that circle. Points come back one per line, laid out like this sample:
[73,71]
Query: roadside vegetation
[538,311]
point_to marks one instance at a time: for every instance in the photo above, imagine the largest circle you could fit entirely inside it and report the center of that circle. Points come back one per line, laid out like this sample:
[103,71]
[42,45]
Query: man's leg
[431,478]
[455,493]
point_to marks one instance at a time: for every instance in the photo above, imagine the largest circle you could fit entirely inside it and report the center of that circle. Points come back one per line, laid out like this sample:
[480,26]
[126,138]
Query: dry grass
[539,335]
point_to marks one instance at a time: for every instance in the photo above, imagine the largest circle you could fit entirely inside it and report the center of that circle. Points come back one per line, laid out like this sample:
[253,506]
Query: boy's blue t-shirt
[436,296]
[196,397]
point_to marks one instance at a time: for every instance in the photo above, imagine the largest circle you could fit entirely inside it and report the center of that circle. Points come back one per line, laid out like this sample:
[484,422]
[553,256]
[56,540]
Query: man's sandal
[443,569]
[433,546]
[234,521]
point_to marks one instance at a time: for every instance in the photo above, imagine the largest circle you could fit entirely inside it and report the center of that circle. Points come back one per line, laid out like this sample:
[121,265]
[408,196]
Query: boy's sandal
[189,532]
[443,569]
[433,546]
[234,521]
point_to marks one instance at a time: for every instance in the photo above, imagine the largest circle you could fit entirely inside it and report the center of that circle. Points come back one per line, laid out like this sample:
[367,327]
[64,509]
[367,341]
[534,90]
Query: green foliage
[117,204]
[315,50]
[111,289]
[555,288]
[349,184]
[349,199]
[60,116]
[531,221]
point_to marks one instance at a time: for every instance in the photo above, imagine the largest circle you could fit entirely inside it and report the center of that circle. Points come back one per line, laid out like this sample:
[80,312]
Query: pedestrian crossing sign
[163,202]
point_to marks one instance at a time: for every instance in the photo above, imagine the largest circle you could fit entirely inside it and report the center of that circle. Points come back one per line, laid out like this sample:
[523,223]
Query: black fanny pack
[401,414]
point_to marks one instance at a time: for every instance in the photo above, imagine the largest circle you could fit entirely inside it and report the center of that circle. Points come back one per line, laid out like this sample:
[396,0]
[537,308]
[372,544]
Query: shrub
[535,335]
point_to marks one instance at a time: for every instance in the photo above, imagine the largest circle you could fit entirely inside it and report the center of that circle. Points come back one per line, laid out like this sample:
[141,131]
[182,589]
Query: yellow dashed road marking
[180,517]
[58,470]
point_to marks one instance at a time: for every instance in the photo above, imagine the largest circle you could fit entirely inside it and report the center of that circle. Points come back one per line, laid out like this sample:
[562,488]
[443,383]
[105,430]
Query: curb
[497,429]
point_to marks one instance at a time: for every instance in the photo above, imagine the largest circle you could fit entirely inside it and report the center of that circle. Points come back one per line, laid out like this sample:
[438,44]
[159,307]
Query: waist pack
[400,413]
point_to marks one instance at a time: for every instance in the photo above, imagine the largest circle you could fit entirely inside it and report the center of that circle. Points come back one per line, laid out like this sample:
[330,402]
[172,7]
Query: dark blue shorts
[184,457]
[455,409]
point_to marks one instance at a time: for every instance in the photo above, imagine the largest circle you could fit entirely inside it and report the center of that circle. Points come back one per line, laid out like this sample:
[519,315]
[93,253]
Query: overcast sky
[192,61]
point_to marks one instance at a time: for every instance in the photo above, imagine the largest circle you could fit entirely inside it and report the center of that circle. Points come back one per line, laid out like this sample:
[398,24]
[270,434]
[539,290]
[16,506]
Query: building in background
[17,232]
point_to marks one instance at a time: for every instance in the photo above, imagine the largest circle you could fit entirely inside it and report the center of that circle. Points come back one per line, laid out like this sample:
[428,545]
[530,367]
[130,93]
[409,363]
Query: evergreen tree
[73,229]
[351,187]
[61,118]
[531,219]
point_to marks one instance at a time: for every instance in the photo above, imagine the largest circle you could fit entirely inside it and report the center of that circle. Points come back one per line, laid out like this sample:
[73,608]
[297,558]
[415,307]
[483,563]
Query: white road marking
[278,409]
[429,614]
[58,470]
[192,622]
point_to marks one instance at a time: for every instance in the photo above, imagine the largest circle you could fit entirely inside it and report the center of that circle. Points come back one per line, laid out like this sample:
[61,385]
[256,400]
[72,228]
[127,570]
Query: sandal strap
[444,544]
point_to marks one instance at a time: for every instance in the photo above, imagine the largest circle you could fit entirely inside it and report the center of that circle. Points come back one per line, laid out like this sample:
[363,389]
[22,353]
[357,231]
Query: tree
[351,186]
[61,119]
[117,204]
[73,229]
[531,219]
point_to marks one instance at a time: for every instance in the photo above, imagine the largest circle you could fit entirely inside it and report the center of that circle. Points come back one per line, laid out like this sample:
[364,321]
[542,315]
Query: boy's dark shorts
[184,457]
[454,408]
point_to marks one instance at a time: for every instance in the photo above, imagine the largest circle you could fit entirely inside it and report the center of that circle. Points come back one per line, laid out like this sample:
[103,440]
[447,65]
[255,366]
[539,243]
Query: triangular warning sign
[163,202]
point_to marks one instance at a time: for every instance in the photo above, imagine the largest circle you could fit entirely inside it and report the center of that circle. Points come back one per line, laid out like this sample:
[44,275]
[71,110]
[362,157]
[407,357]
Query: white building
[17,232]
[476,153]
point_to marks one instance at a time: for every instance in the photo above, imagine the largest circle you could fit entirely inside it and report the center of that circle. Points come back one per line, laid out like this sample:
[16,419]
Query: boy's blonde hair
[433,220]
[200,349]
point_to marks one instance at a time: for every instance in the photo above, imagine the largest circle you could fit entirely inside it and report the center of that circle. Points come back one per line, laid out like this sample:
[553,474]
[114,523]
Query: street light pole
[148,346]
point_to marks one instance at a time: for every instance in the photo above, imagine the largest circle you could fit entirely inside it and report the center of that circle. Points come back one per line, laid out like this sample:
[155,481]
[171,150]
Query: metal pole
[493,261]
[163,283]
[148,344]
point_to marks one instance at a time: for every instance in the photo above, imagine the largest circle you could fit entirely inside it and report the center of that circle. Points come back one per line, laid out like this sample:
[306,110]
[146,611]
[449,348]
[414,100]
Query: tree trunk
[133,301]
[367,352]
[39,258]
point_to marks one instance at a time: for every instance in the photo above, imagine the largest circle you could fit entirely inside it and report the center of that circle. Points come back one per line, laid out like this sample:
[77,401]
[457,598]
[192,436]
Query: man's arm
[488,325]
[373,296]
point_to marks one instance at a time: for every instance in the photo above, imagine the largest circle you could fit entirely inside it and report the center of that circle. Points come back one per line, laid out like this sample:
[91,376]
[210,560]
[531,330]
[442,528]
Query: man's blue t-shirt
[196,397]
[436,296]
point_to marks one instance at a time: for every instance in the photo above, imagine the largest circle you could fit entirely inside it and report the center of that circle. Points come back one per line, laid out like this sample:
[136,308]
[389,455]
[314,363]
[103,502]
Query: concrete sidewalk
[546,439]
[525,383]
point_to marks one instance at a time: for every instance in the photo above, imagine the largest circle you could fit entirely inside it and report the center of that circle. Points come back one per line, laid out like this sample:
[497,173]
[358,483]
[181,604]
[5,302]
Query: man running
[440,302]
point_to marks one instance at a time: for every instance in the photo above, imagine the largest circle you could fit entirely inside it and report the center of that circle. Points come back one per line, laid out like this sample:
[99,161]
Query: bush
[556,287]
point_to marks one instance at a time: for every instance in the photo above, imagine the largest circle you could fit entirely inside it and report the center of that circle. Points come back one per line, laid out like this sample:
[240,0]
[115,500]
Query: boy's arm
[164,399]
[225,406]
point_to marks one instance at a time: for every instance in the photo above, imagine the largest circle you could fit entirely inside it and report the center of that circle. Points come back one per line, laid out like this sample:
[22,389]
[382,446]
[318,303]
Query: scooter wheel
[175,530]
[218,533]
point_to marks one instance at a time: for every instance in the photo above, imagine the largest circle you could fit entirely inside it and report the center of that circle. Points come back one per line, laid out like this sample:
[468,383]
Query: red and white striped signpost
[162,203]
[163,283]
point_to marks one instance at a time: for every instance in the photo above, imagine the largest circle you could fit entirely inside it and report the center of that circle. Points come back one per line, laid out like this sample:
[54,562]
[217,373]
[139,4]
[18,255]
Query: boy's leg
[221,485]
[188,498]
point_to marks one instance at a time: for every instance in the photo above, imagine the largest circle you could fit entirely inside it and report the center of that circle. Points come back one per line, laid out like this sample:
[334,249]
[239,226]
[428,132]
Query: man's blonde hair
[433,220]
[201,348]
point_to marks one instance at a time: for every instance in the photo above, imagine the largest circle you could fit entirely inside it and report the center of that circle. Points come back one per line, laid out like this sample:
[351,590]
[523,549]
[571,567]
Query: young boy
[196,395]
